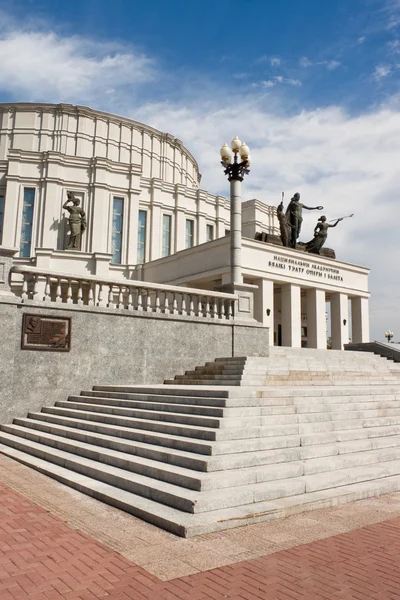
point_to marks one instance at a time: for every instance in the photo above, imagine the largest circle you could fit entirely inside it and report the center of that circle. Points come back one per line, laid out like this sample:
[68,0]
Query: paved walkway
[50,555]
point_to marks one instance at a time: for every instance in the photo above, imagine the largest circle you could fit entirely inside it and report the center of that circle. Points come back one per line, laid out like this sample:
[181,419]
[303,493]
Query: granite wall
[108,347]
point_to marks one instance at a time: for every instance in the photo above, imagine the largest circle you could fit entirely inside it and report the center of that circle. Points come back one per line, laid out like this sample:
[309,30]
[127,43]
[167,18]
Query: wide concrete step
[161,390]
[309,392]
[151,407]
[207,401]
[159,491]
[188,525]
[245,459]
[125,432]
[185,430]
[176,475]
[345,476]
[170,417]
[181,458]
[254,431]
[310,440]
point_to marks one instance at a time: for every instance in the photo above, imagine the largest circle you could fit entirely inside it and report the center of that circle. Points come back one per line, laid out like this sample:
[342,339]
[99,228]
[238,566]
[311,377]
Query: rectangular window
[210,233]
[117,220]
[141,246]
[189,233]
[27,222]
[166,235]
[1,217]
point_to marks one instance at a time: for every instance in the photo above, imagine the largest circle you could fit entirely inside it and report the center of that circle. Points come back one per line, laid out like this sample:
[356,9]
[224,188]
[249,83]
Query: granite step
[159,399]
[188,525]
[112,407]
[162,492]
[166,455]
[124,431]
[99,413]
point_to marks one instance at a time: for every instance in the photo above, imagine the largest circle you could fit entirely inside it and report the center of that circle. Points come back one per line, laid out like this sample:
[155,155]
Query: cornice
[90,112]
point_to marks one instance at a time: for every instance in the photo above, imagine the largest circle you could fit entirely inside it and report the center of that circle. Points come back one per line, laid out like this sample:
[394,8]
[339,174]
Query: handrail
[47,286]
[127,282]
[388,351]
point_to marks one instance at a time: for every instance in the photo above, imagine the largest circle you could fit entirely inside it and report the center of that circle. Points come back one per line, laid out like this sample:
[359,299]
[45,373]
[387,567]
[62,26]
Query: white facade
[147,219]
[51,149]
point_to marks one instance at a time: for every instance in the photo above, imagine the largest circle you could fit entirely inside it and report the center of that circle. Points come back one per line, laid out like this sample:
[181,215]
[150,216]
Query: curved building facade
[139,189]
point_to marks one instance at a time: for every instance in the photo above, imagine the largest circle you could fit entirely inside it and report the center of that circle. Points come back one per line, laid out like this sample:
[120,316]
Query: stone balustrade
[45,286]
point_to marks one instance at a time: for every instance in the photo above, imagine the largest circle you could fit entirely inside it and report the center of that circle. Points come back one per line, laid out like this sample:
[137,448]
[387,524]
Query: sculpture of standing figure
[294,215]
[77,221]
[283,225]
[320,235]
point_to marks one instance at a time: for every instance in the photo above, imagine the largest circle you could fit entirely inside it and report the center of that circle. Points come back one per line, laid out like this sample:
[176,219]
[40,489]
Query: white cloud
[275,61]
[44,65]
[269,83]
[381,72]
[305,63]
[361,39]
[394,46]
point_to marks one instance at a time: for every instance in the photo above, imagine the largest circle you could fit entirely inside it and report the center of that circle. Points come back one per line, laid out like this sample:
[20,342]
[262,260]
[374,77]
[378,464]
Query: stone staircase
[299,430]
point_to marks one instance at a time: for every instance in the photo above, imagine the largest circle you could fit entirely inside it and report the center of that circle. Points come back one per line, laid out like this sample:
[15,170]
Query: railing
[389,351]
[49,287]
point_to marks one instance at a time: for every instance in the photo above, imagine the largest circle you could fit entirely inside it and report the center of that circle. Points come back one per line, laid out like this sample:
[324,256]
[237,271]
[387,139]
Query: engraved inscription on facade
[46,333]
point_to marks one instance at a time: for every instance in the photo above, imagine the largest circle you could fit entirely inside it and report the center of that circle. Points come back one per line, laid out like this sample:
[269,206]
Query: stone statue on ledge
[320,234]
[294,217]
[77,221]
[284,226]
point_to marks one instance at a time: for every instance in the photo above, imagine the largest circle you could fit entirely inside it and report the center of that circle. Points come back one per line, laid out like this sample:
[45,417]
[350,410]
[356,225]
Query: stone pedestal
[6,262]
[244,306]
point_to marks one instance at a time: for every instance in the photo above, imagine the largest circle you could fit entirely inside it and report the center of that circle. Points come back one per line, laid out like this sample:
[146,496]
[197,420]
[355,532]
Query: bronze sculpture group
[290,225]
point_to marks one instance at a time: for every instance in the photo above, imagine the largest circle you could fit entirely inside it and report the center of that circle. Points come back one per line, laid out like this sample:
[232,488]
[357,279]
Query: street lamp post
[389,335]
[235,171]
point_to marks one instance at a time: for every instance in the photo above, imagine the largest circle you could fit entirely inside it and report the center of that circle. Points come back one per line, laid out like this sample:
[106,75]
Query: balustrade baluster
[110,303]
[79,296]
[183,305]
[69,292]
[91,294]
[121,304]
[149,307]
[158,308]
[25,293]
[47,290]
[230,309]
[130,298]
[208,314]
[139,300]
[199,306]
[58,290]
[175,304]
[100,295]
[213,308]
[191,306]
[166,303]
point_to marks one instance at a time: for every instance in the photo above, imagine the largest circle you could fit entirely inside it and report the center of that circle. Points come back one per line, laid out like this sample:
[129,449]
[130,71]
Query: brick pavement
[41,558]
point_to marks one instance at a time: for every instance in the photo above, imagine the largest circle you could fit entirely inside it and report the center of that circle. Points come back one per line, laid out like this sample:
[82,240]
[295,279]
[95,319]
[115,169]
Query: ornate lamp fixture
[235,171]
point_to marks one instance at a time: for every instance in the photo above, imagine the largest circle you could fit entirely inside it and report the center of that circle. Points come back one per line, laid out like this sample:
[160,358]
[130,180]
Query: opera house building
[143,216]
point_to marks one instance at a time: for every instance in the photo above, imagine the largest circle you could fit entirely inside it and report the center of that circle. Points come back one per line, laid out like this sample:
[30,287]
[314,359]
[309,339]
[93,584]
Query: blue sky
[313,86]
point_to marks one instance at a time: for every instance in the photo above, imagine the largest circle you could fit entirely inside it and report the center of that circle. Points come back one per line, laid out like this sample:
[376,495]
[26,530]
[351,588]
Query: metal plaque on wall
[42,332]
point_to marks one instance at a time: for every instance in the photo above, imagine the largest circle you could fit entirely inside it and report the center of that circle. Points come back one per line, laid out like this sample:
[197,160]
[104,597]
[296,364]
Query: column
[359,320]
[236,231]
[291,315]
[316,321]
[264,306]
[339,320]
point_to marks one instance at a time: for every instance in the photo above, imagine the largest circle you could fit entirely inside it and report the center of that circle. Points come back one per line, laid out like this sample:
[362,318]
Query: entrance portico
[299,296]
